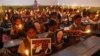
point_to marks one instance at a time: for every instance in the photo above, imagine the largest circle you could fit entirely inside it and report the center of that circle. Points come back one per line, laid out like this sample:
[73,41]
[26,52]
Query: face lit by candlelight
[37,26]
[18,24]
[59,35]
[31,33]
[96,15]
[18,21]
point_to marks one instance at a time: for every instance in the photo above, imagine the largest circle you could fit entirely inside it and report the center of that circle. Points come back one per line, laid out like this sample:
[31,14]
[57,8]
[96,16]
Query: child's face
[31,33]
[59,35]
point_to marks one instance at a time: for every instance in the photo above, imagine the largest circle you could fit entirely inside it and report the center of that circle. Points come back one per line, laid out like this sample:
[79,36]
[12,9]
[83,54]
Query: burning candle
[88,31]
[20,26]
[27,52]
[6,18]
[97,15]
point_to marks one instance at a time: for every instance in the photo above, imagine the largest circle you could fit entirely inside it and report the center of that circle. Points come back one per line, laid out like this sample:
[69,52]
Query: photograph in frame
[40,46]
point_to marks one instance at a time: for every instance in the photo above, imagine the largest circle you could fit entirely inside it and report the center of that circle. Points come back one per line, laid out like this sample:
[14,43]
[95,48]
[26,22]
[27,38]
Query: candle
[20,26]
[88,31]
[27,52]
[6,18]
[97,15]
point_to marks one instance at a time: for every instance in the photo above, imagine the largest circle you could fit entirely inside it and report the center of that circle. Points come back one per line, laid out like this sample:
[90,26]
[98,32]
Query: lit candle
[97,15]
[88,31]
[6,18]
[27,52]
[20,26]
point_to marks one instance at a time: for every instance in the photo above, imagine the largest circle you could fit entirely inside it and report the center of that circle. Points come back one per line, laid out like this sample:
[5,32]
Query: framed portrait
[40,46]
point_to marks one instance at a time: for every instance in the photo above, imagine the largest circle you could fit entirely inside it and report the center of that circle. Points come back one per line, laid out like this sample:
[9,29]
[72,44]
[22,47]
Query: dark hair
[77,17]
[14,22]
[52,23]
[29,27]
[86,14]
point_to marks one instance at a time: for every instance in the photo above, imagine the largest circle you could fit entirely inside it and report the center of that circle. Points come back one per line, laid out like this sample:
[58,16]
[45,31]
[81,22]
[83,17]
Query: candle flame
[6,18]
[88,31]
[27,52]
[20,26]
[97,15]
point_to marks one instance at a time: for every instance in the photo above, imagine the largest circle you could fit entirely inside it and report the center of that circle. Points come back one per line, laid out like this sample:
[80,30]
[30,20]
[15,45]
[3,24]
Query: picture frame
[40,46]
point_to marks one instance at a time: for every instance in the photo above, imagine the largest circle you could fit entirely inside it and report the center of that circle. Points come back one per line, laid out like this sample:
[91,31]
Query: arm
[21,49]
